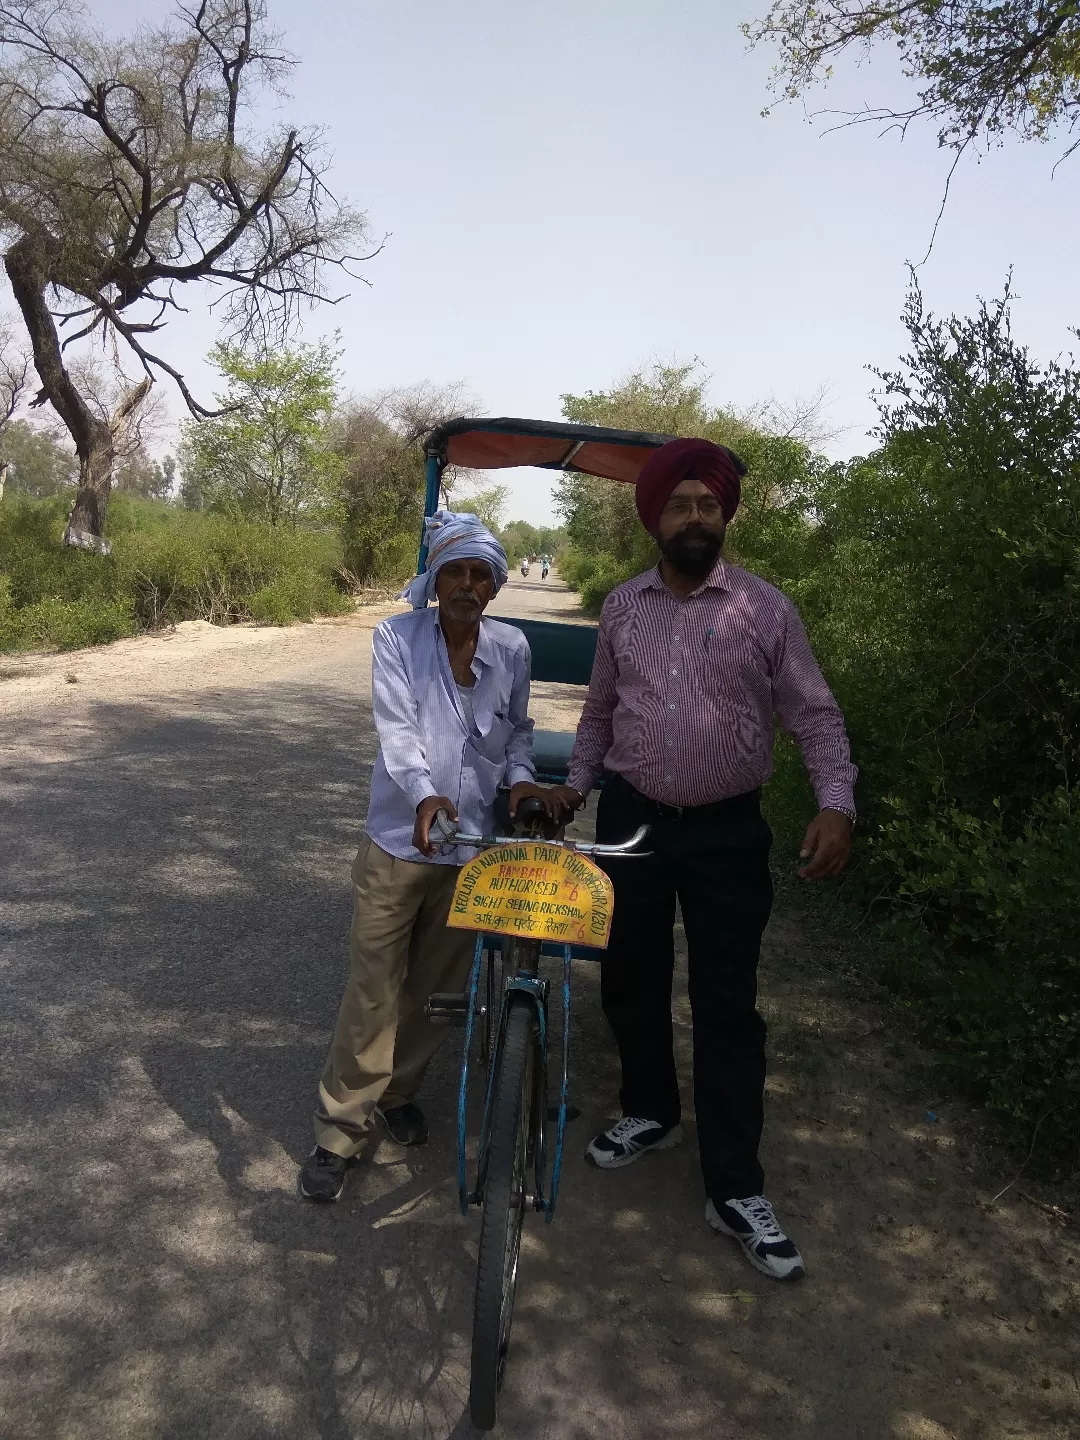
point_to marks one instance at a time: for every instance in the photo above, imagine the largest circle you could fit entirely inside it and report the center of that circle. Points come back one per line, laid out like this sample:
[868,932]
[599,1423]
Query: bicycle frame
[535,987]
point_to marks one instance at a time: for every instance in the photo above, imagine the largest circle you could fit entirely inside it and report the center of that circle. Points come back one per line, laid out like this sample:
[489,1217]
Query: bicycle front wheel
[513,1114]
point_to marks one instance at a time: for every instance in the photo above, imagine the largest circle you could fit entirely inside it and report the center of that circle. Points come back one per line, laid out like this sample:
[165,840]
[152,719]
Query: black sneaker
[406,1124]
[629,1139]
[753,1224]
[323,1175]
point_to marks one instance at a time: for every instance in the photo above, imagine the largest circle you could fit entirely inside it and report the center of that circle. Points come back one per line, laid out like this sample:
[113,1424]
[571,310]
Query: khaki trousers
[400,951]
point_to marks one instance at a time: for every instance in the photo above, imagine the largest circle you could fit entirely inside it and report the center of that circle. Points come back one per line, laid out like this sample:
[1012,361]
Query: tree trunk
[87,518]
[93,438]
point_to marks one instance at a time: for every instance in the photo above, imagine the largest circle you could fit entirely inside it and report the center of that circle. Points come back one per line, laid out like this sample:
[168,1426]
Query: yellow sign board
[536,891]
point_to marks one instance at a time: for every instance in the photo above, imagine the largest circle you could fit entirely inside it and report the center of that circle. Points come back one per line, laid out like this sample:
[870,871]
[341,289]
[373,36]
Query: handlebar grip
[530,809]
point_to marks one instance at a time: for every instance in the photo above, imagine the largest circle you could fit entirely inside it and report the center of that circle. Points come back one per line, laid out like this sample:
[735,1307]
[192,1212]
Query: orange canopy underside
[610,456]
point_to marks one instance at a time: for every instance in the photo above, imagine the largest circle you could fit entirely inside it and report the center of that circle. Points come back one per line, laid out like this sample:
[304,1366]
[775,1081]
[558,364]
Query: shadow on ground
[174,915]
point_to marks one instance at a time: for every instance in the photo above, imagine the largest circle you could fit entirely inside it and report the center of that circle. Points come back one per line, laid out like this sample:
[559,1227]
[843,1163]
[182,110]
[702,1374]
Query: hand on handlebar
[425,814]
[569,799]
[549,798]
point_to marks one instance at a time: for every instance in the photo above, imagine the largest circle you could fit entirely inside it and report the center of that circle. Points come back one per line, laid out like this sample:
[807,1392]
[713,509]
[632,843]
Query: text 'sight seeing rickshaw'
[525,895]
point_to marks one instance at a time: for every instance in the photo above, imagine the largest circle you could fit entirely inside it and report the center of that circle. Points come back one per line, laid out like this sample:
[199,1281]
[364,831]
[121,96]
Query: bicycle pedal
[449,1009]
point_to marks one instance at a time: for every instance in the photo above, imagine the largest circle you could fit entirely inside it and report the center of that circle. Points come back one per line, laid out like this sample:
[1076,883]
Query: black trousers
[717,866]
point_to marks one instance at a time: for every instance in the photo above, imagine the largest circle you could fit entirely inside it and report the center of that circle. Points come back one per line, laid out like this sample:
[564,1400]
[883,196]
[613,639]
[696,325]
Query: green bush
[983,937]
[166,565]
[595,575]
[271,606]
[939,580]
[940,583]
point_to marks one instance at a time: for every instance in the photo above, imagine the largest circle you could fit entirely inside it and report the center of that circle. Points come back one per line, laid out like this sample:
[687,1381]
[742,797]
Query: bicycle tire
[512,1114]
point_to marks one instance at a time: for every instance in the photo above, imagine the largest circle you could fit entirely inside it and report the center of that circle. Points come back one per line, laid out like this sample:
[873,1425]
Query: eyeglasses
[680,506]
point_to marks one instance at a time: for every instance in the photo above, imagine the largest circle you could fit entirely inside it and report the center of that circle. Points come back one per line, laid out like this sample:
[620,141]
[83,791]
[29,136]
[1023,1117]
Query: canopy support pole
[431,504]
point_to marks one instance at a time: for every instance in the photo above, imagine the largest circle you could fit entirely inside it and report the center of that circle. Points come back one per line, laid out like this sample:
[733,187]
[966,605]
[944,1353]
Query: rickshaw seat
[551,755]
[561,653]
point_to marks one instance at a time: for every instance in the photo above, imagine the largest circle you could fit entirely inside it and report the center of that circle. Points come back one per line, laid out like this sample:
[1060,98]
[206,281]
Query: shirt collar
[485,647]
[715,580]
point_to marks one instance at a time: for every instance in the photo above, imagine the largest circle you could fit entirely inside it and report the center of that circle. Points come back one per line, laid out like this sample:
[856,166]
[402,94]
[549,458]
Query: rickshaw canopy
[498,444]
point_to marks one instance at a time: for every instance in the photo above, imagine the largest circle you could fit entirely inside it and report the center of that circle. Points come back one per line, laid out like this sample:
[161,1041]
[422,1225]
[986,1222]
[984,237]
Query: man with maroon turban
[694,659]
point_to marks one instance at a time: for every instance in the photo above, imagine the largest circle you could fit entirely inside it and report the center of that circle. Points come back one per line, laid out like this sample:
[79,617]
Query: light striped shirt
[428,745]
[684,693]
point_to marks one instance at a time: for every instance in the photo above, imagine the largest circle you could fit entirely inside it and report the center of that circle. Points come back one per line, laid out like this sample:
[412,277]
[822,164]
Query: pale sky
[575,188]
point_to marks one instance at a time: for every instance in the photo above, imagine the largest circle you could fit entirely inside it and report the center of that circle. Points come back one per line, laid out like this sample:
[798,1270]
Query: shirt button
[671,707]
[674,672]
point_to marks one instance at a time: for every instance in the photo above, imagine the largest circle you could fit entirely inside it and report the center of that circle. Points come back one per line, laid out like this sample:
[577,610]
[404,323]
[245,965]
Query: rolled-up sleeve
[806,708]
[519,750]
[396,721]
[594,732]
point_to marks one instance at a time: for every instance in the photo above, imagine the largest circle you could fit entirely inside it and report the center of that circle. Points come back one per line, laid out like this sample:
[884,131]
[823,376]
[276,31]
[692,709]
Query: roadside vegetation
[286,504]
[166,565]
[939,579]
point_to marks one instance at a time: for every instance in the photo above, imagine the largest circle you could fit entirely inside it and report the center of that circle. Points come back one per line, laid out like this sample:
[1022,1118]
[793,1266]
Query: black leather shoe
[406,1124]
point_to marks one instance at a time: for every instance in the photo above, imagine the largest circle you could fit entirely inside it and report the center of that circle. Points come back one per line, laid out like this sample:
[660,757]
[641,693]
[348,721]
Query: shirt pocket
[491,712]
[734,665]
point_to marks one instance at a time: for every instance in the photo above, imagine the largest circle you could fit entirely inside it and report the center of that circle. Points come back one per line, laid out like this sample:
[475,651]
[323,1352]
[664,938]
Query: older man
[694,659]
[450,694]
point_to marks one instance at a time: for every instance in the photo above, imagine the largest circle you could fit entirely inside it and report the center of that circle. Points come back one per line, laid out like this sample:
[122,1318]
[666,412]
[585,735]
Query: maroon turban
[680,460]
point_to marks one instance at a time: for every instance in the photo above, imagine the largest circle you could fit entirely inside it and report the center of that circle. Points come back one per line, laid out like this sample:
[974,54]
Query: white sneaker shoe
[753,1224]
[629,1139]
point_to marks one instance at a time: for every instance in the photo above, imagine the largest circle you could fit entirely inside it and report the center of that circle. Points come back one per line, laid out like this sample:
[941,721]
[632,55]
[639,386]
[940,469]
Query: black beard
[693,551]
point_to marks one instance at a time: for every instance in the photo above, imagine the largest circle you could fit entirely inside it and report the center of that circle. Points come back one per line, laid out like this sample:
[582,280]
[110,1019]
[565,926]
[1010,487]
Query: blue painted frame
[536,988]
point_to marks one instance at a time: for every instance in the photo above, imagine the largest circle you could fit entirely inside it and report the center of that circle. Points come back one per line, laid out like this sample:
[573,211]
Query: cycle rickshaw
[525,895]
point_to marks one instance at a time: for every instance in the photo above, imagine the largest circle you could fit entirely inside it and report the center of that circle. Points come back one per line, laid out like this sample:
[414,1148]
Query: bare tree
[131,167]
[134,411]
[14,377]
[804,418]
[415,410]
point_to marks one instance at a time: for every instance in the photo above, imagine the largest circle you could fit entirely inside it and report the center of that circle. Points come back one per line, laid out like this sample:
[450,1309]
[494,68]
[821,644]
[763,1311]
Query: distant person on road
[544,569]
[525,567]
[450,694]
[693,661]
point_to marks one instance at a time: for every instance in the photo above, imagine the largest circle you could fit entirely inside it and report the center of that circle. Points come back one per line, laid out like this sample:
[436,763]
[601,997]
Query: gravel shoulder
[177,826]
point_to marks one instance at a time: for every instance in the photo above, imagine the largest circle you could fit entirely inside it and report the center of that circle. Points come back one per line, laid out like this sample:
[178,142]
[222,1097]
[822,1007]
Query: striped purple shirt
[684,693]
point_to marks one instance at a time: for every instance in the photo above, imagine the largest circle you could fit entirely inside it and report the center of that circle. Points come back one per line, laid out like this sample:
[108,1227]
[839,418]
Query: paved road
[177,820]
[176,846]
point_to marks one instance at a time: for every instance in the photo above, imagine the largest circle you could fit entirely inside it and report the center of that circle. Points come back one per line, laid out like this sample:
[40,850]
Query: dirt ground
[177,816]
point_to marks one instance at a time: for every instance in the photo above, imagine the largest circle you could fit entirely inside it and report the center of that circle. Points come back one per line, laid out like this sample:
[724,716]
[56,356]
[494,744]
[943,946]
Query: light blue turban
[454,535]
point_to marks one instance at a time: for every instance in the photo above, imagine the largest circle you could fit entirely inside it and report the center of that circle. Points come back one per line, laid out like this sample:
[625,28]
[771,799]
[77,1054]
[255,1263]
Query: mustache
[468,595]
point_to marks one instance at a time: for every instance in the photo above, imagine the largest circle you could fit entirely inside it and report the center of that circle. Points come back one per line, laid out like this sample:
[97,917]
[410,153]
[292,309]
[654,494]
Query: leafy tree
[954,607]
[270,452]
[488,505]
[520,538]
[608,543]
[380,440]
[984,68]
[130,167]
[40,461]
[941,588]
[139,474]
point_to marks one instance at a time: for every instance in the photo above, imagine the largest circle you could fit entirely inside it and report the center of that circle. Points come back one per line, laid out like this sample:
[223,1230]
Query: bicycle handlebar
[449,834]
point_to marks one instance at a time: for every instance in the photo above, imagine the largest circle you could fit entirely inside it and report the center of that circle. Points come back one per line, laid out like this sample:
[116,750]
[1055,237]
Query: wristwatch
[841,811]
